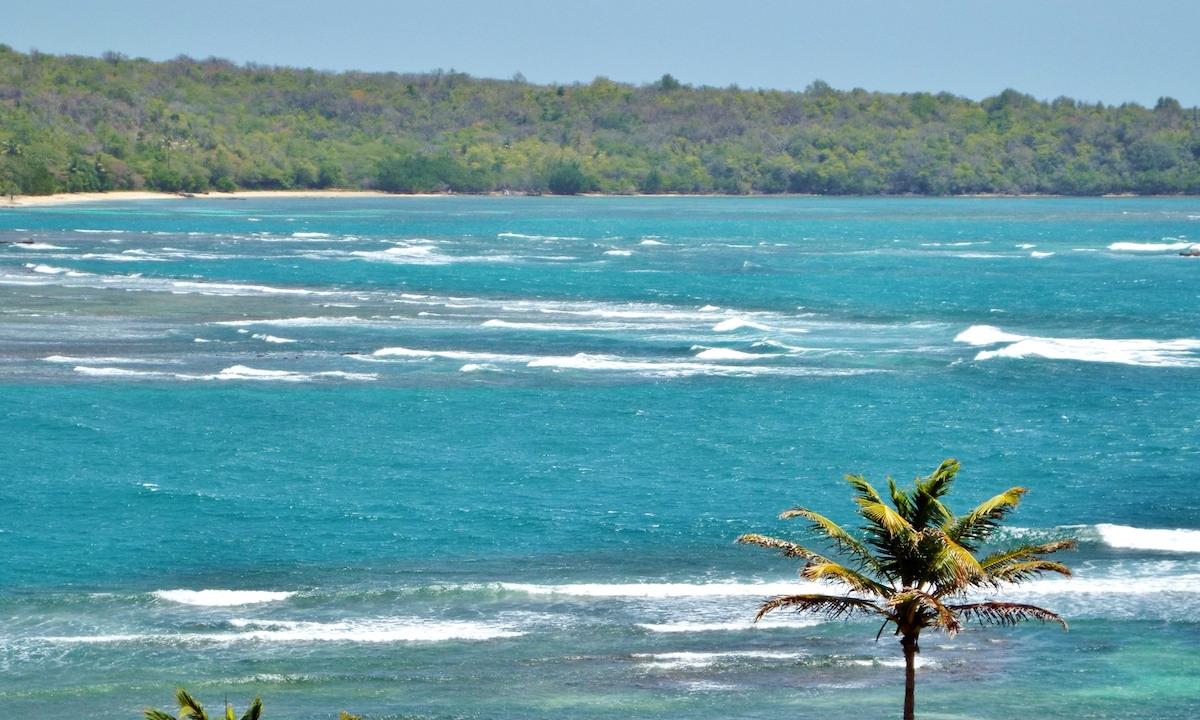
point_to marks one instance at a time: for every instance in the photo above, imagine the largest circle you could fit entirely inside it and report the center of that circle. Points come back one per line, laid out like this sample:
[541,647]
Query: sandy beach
[119,196]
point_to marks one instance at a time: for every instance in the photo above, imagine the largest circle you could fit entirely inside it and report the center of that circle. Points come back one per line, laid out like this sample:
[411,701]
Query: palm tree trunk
[909,643]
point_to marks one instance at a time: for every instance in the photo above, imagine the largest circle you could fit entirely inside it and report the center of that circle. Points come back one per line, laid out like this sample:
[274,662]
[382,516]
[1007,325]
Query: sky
[1101,50]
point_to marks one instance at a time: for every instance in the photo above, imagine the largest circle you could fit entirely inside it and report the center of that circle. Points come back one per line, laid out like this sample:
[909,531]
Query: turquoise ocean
[454,457]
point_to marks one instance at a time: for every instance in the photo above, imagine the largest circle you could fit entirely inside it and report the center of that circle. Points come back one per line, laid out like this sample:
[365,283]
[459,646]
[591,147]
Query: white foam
[985,335]
[208,288]
[241,372]
[1036,254]
[406,255]
[554,327]
[662,590]
[272,339]
[99,360]
[221,598]
[373,630]
[298,322]
[310,235]
[618,252]
[1123,536]
[737,322]
[462,355]
[730,354]
[1150,247]
[742,624]
[117,372]
[37,246]
[1152,353]
[671,660]
[651,242]
[535,237]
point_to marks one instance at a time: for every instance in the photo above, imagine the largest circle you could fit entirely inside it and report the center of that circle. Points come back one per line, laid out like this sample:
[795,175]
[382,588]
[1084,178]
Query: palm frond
[829,570]
[1028,570]
[189,707]
[156,714]
[1006,614]
[786,548]
[863,489]
[975,527]
[347,716]
[900,500]
[843,540]
[254,712]
[831,606]
[928,509]
[939,483]
[1024,552]
[888,522]
[956,562]
[930,608]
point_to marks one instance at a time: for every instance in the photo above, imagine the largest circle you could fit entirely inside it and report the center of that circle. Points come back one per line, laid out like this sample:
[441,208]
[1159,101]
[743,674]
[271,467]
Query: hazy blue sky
[1097,50]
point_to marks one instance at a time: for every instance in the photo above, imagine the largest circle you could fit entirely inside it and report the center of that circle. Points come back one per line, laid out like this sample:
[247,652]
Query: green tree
[914,563]
[567,178]
[191,709]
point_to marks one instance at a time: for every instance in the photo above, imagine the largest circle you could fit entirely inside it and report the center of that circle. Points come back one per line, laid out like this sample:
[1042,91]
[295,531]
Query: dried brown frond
[786,548]
[831,606]
[929,607]
[1006,614]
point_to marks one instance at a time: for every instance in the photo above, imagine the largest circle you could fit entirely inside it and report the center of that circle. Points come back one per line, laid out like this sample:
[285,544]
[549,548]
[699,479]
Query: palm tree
[191,709]
[915,563]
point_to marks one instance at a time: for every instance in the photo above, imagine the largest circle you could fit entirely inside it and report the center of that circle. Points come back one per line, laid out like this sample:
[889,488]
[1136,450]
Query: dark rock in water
[1194,252]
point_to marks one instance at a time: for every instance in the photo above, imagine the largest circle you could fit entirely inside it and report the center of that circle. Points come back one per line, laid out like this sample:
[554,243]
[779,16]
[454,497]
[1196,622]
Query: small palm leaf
[928,509]
[156,714]
[831,606]
[189,707]
[1006,614]
[973,528]
[255,710]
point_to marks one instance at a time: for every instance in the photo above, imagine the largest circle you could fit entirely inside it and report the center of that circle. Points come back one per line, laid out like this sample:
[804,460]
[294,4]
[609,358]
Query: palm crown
[915,562]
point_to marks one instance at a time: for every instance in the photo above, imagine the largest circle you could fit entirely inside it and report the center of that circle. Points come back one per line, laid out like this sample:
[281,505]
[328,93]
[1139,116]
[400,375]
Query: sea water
[448,457]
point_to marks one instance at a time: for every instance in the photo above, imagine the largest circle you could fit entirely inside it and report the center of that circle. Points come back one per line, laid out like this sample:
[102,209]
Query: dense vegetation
[76,124]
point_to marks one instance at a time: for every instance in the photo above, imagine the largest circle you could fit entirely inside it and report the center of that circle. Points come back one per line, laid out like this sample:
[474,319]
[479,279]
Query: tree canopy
[71,123]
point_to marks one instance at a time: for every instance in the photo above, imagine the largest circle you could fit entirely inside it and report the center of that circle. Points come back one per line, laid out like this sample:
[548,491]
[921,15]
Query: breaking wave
[1152,353]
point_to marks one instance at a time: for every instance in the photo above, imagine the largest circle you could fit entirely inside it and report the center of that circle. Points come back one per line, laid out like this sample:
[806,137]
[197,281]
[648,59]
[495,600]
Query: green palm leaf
[254,712]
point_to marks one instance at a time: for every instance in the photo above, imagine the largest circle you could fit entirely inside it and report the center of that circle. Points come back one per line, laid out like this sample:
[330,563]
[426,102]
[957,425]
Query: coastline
[124,195]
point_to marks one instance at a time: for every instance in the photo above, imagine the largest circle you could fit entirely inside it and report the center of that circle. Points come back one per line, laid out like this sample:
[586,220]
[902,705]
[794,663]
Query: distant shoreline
[123,195]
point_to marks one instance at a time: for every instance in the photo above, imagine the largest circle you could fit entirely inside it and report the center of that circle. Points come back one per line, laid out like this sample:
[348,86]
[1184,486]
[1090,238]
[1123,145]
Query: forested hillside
[81,124]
